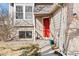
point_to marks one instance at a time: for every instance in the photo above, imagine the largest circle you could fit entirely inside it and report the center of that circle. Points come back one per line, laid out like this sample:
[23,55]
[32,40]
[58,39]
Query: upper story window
[24,11]
[28,12]
[19,12]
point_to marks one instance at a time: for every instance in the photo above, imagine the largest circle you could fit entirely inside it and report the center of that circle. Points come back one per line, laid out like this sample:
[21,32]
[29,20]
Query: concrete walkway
[45,48]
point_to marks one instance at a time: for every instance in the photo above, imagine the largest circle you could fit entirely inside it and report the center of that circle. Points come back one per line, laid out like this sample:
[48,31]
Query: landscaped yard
[19,50]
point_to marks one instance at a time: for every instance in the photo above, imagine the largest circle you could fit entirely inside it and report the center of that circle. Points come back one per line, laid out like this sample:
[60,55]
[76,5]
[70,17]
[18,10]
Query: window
[24,12]
[25,34]
[19,12]
[28,12]
[21,34]
[28,8]
[29,34]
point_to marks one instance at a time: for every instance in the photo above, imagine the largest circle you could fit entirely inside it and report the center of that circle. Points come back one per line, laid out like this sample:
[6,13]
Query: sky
[4,7]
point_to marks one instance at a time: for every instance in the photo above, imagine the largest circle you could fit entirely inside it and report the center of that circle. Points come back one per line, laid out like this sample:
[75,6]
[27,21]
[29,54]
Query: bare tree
[6,26]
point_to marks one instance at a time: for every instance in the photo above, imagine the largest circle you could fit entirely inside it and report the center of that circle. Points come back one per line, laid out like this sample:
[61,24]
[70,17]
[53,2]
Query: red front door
[46,27]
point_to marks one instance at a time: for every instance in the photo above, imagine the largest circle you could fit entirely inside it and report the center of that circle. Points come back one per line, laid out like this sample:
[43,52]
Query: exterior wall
[56,20]
[22,24]
[76,8]
[39,25]
[58,26]
[73,48]
[69,15]
[23,29]
[63,27]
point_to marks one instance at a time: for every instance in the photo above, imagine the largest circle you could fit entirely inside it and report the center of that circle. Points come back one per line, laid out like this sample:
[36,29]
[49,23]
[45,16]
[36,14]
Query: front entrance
[46,27]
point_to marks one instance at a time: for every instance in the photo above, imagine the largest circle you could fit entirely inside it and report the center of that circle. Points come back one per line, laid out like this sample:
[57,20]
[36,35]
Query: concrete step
[50,54]
[45,48]
[43,43]
[51,51]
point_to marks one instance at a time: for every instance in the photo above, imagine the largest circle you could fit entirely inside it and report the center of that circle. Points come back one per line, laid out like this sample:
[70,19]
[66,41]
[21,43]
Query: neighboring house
[73,31]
